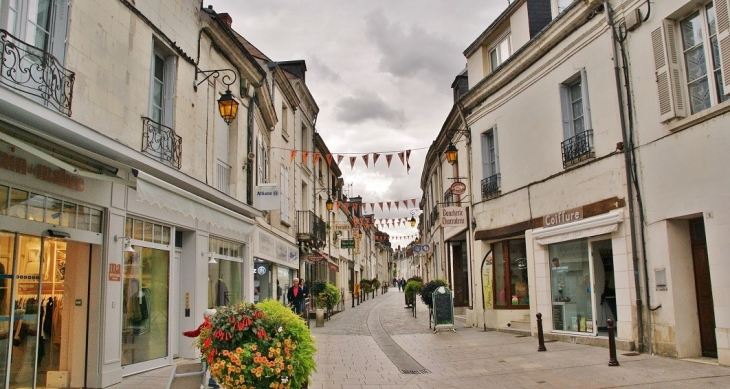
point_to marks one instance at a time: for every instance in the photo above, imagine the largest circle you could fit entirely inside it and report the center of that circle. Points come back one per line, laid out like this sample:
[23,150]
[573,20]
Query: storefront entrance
[42,336]
[703,288]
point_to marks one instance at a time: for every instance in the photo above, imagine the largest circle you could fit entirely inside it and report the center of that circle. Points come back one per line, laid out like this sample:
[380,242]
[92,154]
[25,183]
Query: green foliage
[323,298]
[376,283]
[335,296]
[415,278]
[428,289]
[294,328]
[317,288]
[395,272]
[412,288]
[366,286]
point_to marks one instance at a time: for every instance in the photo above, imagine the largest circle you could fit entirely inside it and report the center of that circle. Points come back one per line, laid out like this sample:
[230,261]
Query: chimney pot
[226,18]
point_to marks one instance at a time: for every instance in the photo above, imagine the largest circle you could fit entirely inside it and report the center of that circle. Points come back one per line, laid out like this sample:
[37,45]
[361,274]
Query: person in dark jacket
[295,296]
[305,291]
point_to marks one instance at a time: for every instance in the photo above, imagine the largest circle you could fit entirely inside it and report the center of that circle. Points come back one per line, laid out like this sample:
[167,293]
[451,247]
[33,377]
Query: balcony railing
[34,71]
[490,186]
[161,142]
[434,216]
[449,198]
[310,227]
[577,148]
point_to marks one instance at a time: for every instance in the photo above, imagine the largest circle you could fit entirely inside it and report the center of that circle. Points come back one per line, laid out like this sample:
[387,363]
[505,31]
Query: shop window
[570,281]
[146,231]
[511,285]
[225,272]
[41,208]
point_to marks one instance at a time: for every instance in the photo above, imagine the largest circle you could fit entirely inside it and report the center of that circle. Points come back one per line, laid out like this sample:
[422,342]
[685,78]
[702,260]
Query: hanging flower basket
[257,346]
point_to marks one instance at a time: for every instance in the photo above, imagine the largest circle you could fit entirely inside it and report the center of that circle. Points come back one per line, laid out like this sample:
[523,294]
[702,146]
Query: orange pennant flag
[305,156]
[328,158]
[292,155]
[352,162]
[401,155]
[375,158]
[388,158]
[316,158]
[365,158]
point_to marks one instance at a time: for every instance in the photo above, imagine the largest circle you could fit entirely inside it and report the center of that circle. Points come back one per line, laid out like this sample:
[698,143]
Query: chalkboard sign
[443,309]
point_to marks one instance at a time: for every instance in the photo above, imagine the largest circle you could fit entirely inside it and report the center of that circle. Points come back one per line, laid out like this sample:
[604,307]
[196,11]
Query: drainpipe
[628,162]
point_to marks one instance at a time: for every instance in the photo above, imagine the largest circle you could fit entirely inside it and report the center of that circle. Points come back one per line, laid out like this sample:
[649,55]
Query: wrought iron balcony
[490,186]
[577,148]
[449,198]
[434,216]
[161,142]
[310,227]
[34,71]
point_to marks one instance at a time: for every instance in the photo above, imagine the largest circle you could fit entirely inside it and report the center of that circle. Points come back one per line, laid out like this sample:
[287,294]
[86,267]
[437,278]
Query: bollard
[612,361]
[540,337]
[353,299]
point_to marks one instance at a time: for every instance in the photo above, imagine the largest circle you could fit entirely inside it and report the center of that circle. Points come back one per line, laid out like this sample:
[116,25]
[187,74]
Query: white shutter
[59,29]
[485,155]
[668,72]
[587,124]
[722,17]
[566,111]
[168,101]
[496,150]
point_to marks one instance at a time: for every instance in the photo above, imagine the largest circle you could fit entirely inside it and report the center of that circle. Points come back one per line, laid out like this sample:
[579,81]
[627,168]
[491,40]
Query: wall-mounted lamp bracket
[226,79]
[127,243]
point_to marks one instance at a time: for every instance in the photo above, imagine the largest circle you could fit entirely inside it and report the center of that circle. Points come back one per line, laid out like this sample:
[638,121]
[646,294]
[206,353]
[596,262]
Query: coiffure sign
[562,217]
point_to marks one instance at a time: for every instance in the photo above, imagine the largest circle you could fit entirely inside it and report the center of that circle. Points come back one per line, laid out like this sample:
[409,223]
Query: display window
[146,293]
[284,278]
[225,273]
[32,206]
[511,285]
[582,285]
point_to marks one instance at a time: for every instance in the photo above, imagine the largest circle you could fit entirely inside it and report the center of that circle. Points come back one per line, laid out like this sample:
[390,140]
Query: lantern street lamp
[329,204]
[451,153]
[413,218]
[227,104]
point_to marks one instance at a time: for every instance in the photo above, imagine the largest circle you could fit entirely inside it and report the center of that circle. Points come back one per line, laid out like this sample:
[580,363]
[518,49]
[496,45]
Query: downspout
[249,169]
[469,242]
[629,186]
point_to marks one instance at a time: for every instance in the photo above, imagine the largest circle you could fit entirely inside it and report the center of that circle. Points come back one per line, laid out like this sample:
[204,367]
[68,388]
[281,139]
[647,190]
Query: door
[703,288]
[39,328]
[460,273]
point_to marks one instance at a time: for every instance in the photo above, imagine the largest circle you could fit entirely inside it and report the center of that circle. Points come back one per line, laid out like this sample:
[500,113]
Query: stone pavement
[379,344]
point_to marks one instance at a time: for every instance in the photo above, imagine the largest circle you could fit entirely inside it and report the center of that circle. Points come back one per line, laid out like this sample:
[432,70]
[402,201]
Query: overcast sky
[380,71]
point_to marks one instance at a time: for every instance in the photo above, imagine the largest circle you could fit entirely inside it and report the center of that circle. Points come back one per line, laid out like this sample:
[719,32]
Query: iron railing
[310,227]
[449,198]
[490,186]
[577,148]
[161,142]
[434,216]
[36,72]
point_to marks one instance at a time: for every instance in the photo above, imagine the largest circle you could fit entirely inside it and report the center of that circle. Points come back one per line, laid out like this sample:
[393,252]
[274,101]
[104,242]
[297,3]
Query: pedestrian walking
[395,280]
[403,283]
[295,296]
[196,332]
[305,293]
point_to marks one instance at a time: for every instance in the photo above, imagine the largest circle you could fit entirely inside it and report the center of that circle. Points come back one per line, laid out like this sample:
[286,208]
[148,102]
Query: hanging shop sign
[267,197]
[342,226]
[454,217]
[15,163]
[458,188]
[347,243]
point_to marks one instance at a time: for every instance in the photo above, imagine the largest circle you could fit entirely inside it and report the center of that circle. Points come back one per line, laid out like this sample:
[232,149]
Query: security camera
[251,156]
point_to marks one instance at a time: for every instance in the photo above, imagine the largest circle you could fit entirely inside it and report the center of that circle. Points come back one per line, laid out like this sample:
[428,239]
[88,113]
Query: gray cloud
[367,106]
[321,70]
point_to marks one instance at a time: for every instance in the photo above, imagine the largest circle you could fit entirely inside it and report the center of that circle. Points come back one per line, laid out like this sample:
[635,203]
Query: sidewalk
[349,357]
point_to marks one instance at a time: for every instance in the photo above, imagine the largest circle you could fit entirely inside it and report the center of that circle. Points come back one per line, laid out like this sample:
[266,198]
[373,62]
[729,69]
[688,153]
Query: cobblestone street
[371,345]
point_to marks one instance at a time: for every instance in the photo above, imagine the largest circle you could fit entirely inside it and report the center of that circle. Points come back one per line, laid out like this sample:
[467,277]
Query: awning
[158,192]
[330,263]
[593,226]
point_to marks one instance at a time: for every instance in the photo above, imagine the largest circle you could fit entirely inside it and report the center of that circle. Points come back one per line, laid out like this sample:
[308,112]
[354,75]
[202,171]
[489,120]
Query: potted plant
[428,288]
[262,346]
[376,284]
[321,302]
[413,287]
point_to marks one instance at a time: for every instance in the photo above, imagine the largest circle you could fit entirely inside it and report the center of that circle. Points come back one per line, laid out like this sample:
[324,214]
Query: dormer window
[500,52]
[563,4]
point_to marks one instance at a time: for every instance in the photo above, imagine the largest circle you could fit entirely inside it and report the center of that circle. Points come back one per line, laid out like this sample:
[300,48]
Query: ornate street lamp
[451,153]
[227,104]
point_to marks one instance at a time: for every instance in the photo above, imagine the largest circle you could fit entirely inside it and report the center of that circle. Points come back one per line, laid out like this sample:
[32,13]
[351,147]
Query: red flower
[261,333]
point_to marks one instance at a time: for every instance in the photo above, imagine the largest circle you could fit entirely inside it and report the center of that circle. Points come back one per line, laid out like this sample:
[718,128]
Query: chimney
[226,18]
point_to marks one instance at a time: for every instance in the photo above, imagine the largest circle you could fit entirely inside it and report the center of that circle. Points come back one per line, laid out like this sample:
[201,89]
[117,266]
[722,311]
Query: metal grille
[161,142]
[34,71]
[577,148]
[490,186]
[422,371]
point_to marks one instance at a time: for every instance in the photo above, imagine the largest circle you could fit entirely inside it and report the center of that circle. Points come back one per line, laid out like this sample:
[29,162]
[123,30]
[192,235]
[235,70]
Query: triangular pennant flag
[408,169]
[388,158]
[339,158]
[408,154]
[365,158]
[305,156]
[328,158]
[381,206]
[316,158]
[401,155]
[292,155]
[352,162]
[396,206]
[375,158]
[414,202]
[372,207]
[388,206]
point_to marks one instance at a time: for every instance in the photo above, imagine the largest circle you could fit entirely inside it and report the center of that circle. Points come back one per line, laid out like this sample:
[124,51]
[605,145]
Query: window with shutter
[490,165]
[160,140]
[577,142]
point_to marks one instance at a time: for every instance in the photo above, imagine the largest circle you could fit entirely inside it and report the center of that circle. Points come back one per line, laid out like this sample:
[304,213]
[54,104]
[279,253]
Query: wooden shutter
[566,111]
[668,72]
[587,125]
[485,155]
[496,150]
[59,29]
[168,101]
[722,17]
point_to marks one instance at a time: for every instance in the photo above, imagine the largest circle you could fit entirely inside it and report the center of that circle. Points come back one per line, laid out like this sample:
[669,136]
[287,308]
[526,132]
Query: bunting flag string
[404,157]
